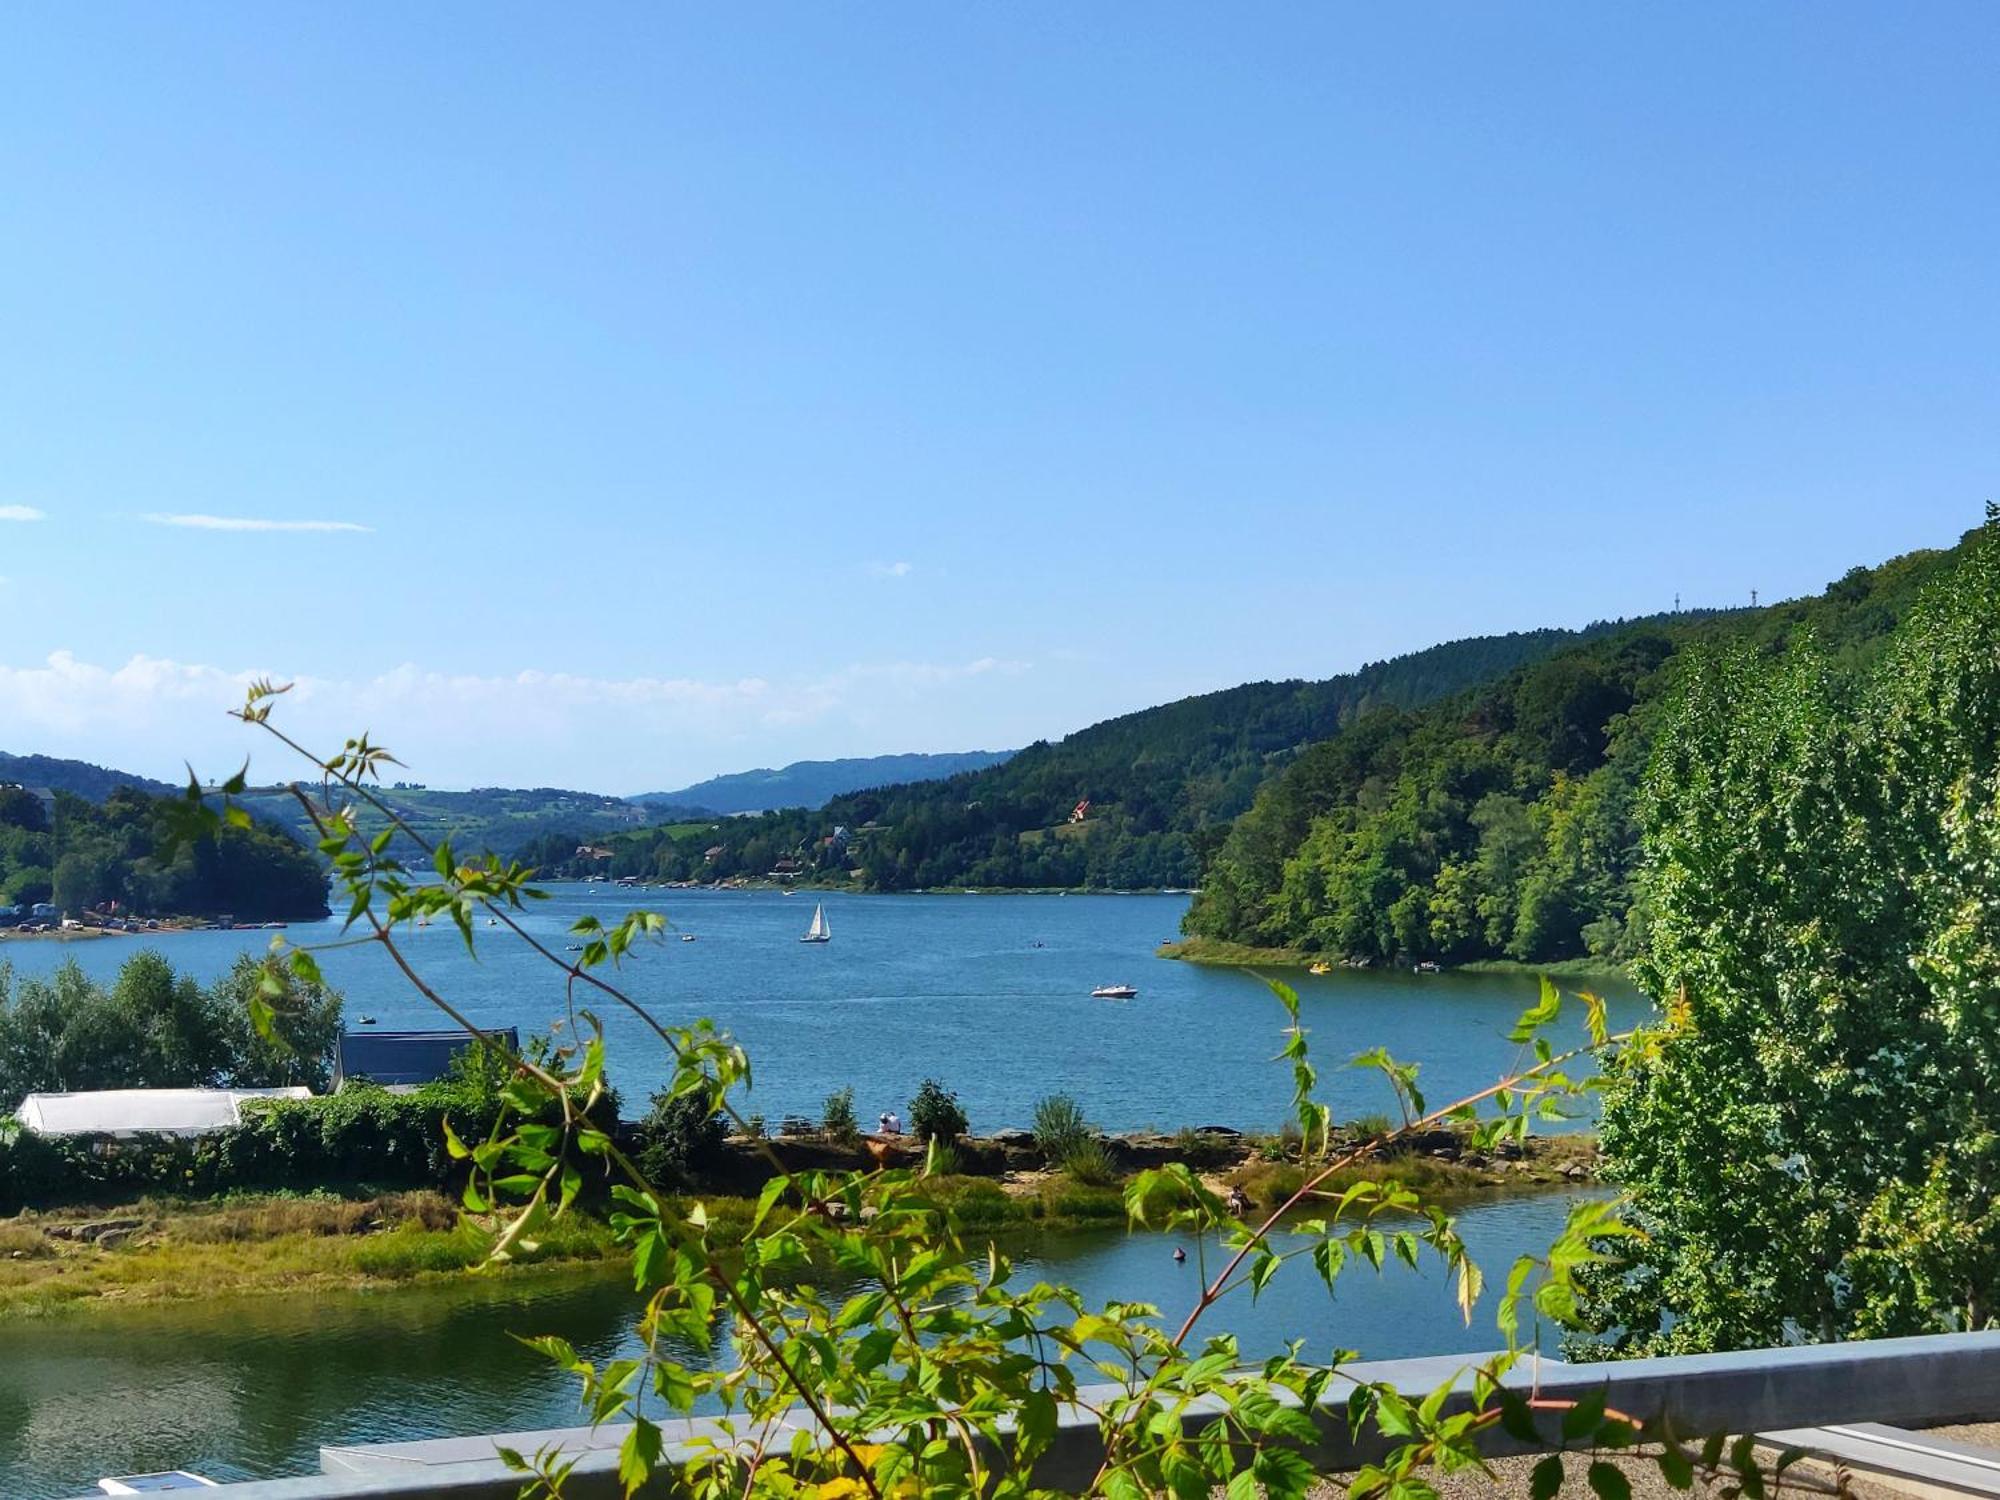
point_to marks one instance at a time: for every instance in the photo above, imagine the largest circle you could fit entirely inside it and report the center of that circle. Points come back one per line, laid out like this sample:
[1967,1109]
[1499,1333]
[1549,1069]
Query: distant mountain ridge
[813,783]
[509,820]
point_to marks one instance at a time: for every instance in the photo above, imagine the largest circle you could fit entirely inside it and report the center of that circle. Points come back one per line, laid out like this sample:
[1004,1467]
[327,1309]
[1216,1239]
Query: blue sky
[709,387]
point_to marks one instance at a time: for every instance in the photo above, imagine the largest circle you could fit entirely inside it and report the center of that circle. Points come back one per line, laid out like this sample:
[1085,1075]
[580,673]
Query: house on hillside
[405,1059]
[186,1113]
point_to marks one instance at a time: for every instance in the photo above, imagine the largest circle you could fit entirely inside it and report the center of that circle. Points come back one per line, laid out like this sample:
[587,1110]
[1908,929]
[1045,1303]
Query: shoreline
[1215,952]
[54,1261]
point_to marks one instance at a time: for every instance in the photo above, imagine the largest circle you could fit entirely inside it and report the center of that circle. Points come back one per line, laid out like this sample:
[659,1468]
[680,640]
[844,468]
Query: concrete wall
[1901,1382]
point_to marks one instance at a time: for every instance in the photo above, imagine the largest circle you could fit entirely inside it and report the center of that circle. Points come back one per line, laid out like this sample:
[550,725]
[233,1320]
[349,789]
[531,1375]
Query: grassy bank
[1199,950]
[1562,968]
[164,1249]
[159,1249]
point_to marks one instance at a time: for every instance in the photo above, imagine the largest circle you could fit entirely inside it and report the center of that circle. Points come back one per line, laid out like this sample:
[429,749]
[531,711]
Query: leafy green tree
[935,1113]
[1809,1144]
[155,1029]
[21,808]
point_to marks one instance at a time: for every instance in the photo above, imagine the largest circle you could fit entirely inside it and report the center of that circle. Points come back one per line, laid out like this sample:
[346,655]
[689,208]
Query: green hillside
[51,773]
[811,783]
[506,820]
[1501,822]
[81,855]
[1162,785]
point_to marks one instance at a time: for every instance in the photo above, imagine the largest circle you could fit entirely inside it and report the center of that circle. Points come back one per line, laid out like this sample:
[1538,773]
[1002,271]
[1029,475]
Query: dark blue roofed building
[405,1059]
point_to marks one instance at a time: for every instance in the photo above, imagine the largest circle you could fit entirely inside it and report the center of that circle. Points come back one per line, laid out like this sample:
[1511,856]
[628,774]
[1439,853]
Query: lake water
[990,994]
[251,1387]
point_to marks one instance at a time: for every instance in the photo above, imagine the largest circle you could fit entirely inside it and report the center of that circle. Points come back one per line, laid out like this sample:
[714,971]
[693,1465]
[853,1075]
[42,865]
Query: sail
[819,929]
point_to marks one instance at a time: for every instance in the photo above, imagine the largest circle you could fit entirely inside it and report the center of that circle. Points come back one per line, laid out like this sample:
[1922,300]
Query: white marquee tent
[183,1112]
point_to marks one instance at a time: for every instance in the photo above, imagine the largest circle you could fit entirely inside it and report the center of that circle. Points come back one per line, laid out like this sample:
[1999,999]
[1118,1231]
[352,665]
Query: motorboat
[1114,992]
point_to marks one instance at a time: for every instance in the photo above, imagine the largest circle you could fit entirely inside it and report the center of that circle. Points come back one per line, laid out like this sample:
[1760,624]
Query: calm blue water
[250,1388]
[947,985]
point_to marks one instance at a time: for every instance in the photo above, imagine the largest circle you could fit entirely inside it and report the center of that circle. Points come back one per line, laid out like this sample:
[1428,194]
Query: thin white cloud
[248,523]
[21,513]
[891,570]
[522,728]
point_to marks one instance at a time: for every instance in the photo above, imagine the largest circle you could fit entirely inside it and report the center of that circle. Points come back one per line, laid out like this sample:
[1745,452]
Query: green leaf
[1676,1468]
[1581,1419]
[1608,1481]
[1547,1478]
[638,1454]
[1284,1474]
[1393,1415]
[1517,1420]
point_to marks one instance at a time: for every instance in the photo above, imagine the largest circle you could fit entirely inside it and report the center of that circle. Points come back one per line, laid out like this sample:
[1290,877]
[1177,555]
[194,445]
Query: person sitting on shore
[891,1125]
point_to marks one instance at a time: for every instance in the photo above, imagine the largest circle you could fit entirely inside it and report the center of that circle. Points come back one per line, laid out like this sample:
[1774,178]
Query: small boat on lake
[1114,992]
[1322,967]
[819,932]
[1428,967]
[687,937]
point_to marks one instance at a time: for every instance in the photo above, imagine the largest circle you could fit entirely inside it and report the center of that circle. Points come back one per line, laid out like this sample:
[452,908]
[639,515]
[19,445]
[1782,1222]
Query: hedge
[362,1136]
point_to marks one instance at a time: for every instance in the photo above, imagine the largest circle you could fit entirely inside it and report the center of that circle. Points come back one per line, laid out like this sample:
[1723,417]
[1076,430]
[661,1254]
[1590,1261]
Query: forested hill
[83,855]
[811,783]
[1500,822]
[1161,785]
[50,773]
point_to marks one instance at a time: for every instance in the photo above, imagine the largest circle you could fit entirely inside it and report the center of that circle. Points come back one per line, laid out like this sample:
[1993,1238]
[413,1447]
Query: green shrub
[681,1138]
[978,1202]
[1269,1184]
[836,1118]
[943,1159]
[934,1113]
[1076,1200]
[1059,1127]
[1089,1162]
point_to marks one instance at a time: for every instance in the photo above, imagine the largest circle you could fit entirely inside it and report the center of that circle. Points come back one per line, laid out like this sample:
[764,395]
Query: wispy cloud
[521,728]
[249,523]
[21,513]
[891,569]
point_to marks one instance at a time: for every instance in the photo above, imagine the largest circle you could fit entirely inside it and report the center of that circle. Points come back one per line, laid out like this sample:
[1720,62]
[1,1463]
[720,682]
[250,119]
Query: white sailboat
[819,932]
